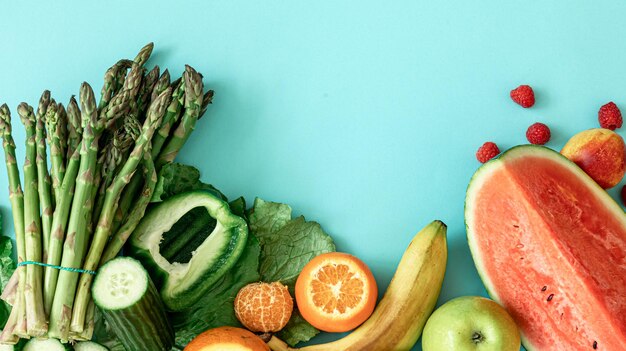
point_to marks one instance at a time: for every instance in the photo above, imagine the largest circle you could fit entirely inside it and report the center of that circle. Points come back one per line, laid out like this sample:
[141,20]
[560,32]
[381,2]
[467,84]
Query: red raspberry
[538,134]
[523,95]
[610,116]
[487,151]
[623,195]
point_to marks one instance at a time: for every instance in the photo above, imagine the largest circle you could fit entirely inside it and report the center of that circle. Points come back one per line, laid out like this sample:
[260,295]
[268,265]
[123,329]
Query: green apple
[470,323]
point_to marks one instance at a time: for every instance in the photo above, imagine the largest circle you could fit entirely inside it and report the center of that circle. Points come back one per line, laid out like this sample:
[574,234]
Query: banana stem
[278,345]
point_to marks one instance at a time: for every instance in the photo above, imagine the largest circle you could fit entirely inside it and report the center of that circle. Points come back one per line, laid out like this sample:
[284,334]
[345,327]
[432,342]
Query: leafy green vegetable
[283,248]
[175,178]
[297,330]
[216,308]
[266,218]
[287,245]
[7,267]
[238,207]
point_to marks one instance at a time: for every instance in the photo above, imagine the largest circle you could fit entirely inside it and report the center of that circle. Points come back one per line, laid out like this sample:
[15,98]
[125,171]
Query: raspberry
[487,151]
[538,134]
[610,116]
[523,95]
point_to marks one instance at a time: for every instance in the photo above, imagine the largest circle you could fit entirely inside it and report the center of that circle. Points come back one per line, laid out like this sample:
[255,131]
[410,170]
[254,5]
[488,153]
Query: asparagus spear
[17,321]
[114,76]
[75,130]
[112,81]
[64,201]
[160,86]
[103,230]
[206,101]
[119,238]
[73,248]
[114,153]
[193,106]
[61,131]
[144,54]
[35,317]
[43,177]
[171,117]
[59,225]
[126,98]
[145,92]
[90,323]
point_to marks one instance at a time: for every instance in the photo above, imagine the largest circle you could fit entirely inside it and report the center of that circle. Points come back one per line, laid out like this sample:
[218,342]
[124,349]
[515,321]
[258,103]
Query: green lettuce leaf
[7,267]
[287,245]
[216,308]
[175,178]
[266,218]
[297,330]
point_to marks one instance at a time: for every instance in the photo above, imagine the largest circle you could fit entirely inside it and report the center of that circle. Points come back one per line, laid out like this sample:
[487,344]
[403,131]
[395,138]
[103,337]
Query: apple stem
[477,338]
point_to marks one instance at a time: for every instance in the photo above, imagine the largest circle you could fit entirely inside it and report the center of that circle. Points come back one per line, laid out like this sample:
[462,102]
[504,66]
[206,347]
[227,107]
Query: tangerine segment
[336,292]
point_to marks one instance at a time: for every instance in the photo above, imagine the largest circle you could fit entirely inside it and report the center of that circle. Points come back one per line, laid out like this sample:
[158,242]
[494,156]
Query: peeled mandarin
[264,307]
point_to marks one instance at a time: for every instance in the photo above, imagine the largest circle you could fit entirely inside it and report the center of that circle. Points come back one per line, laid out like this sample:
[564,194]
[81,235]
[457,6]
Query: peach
[600,153]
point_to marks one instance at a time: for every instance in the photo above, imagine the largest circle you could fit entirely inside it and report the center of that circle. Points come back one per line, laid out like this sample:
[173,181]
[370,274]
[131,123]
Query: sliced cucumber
[183,284]
[89,346]
[46,344]
[130,303]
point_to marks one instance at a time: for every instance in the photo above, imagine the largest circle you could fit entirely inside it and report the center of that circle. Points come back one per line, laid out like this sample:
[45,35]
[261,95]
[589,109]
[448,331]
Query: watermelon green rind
[480,177]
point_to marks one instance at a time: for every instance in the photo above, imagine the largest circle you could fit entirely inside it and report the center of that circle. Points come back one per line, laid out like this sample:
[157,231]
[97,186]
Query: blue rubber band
[74,270]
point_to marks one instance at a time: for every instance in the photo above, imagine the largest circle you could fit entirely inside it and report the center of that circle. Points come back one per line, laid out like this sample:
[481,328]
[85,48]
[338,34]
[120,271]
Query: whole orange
[227,338]
[336,292]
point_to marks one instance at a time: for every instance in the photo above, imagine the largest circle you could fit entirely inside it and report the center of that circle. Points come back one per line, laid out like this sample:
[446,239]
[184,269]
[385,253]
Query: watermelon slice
[550,246]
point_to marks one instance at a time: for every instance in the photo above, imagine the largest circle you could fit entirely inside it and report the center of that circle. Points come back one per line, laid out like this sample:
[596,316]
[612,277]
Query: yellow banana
[399,318]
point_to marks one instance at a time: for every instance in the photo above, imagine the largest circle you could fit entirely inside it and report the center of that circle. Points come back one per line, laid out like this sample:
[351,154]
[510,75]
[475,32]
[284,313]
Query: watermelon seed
[515,226]
[550,297]
[595,345]
[544,288]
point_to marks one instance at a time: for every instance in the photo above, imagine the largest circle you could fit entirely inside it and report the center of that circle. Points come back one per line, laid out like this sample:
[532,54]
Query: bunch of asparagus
[78,211]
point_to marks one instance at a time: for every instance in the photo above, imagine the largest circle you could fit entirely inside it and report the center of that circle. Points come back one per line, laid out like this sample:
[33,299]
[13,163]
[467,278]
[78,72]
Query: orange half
[336,292]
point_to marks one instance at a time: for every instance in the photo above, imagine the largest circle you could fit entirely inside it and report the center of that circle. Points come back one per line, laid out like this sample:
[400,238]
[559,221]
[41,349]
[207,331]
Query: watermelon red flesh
[550,246]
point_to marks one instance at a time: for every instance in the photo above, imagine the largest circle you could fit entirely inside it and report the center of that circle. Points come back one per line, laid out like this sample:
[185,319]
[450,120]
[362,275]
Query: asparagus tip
[5,119]
[144,54]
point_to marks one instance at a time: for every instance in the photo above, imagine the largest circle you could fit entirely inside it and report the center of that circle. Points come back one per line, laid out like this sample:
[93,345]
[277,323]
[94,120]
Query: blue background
[362,115]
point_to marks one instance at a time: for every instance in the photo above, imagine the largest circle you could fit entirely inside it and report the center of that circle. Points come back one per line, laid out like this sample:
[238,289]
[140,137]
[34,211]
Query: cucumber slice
[183,284]
[130,303]
[46,344]
[89,346]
